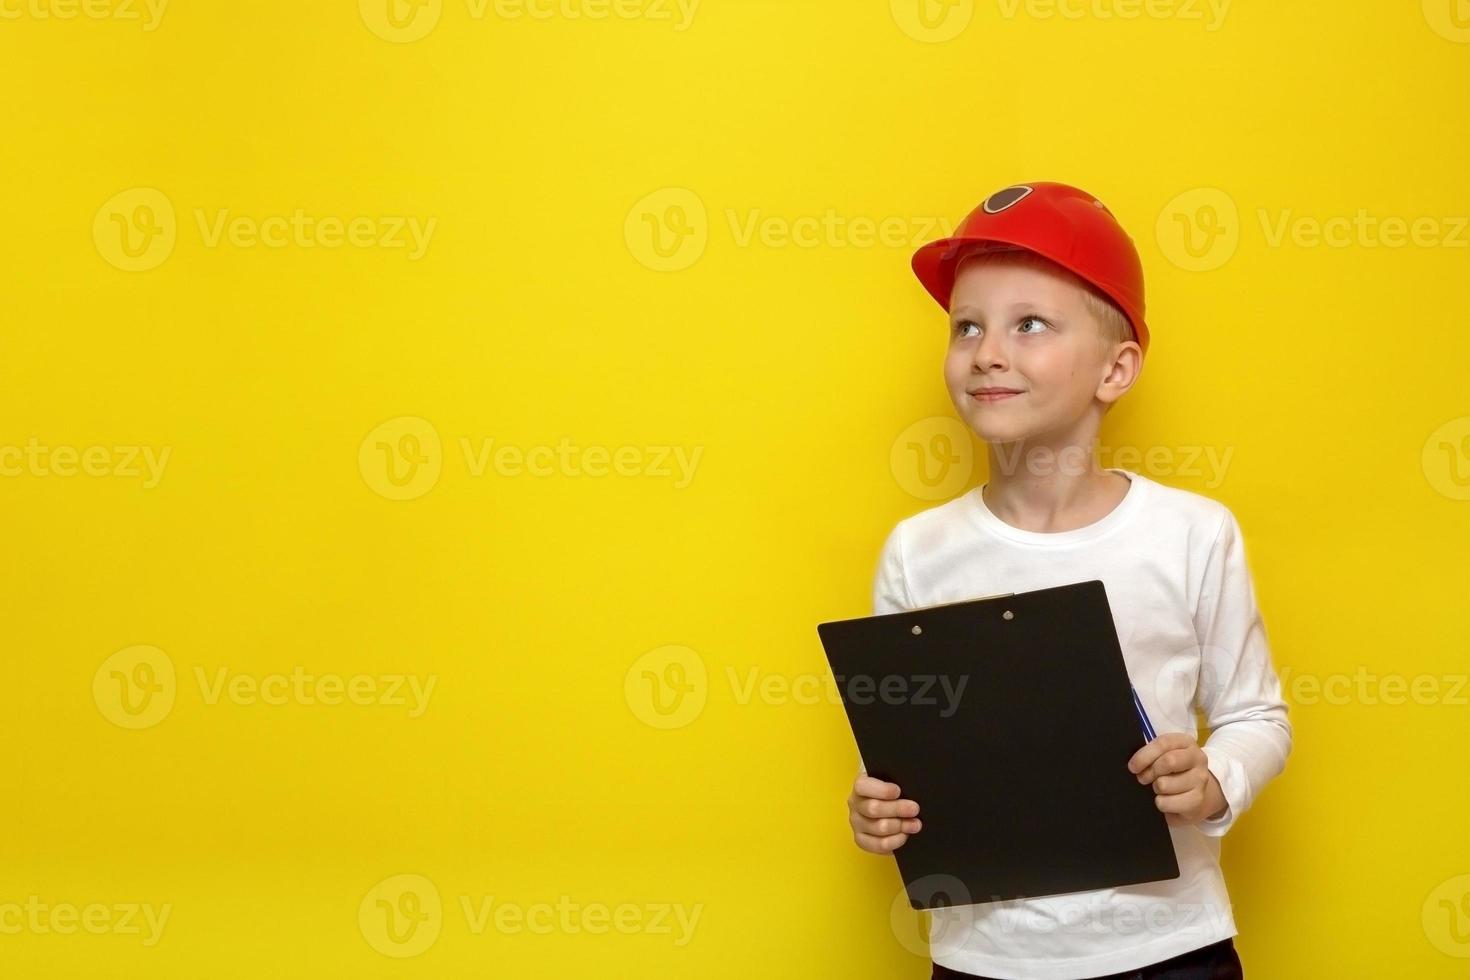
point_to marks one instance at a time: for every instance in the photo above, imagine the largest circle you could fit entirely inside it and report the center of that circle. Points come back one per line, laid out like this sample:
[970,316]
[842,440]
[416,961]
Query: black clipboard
[1010,720]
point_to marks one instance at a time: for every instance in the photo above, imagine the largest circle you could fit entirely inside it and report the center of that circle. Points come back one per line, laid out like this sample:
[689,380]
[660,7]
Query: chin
[983,423]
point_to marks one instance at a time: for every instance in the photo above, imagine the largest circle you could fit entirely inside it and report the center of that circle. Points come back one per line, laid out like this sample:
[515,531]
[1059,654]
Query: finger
[1178,783]
[1174,760]
[1180,803]
[880,845]
[886,826]
[875,789]
[1181,759]
[1145,756]
[874,809]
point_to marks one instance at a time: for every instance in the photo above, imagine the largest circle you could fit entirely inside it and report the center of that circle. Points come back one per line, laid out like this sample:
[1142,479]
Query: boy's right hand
[881,821]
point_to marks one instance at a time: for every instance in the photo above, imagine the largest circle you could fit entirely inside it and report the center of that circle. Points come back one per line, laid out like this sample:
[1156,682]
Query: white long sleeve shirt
[1174,566]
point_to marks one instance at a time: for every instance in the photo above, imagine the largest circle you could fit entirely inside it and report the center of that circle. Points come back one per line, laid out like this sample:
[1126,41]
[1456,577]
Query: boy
[1044,291]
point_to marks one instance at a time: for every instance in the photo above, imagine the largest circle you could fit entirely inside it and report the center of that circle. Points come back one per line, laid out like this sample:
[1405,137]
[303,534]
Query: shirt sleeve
[1239,692]
[890,588]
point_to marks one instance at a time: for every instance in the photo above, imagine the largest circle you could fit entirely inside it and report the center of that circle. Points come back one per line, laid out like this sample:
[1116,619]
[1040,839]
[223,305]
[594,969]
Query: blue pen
[1148,728]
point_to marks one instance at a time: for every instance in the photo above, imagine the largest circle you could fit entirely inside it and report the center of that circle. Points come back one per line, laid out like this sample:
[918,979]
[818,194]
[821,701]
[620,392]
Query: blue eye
[959,328]
[1033,319]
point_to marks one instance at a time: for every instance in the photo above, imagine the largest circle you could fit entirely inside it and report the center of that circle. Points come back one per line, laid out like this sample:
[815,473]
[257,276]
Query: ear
[1120,372]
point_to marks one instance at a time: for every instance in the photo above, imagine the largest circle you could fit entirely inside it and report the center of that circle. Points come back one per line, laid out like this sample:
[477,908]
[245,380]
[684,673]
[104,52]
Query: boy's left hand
[1185,789]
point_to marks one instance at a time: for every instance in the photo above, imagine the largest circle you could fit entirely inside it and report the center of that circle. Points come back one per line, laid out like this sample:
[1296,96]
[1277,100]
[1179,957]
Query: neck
[1037,485]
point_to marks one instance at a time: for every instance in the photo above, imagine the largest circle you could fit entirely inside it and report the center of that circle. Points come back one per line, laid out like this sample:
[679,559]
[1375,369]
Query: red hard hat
[1060,222]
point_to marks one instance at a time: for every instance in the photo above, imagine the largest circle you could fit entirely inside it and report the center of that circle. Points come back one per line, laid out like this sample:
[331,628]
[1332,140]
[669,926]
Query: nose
[990,352]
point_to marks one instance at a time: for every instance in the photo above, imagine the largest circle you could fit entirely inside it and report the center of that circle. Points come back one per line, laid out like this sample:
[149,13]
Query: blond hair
[1113,325]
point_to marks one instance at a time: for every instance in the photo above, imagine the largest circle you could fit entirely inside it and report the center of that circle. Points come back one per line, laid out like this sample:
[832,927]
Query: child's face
[1017,325]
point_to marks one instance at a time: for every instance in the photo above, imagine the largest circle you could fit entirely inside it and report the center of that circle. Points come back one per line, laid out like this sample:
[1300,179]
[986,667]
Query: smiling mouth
[993,394]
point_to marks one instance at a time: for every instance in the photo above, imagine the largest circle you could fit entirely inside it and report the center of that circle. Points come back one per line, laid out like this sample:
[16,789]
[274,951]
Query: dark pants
[1217,961]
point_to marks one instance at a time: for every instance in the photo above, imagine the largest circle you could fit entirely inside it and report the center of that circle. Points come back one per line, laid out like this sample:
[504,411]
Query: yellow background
[546,150]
